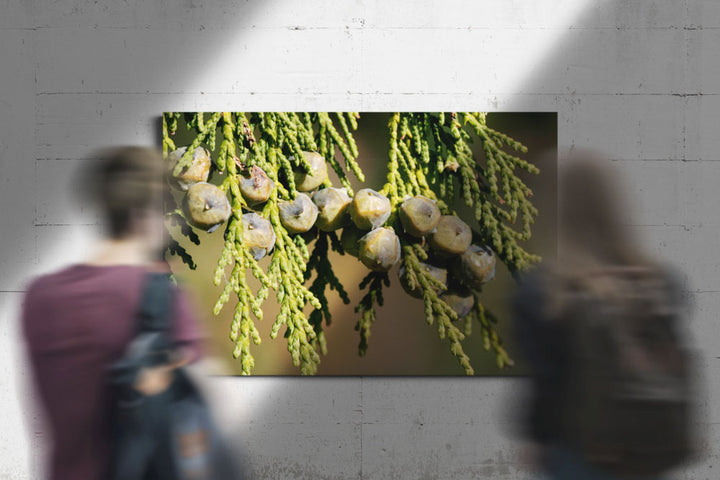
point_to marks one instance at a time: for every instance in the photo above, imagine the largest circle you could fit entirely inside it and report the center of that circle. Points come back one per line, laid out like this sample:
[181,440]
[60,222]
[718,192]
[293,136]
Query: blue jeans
[564,463]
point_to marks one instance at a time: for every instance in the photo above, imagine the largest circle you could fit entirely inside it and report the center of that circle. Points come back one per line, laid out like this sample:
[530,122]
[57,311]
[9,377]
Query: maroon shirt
[76,323]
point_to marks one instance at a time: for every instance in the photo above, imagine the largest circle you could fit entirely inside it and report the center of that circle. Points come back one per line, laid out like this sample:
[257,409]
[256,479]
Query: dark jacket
[545,345]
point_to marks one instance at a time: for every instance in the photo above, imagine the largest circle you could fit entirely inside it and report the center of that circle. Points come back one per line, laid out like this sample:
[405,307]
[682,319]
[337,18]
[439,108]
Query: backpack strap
[154,310]
[153,318]
[151,344]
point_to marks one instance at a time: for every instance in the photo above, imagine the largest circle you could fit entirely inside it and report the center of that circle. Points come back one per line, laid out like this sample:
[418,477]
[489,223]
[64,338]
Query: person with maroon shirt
[79,320]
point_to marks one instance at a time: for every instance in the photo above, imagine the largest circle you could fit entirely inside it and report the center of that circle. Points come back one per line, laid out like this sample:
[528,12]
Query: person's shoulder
[671,274]
[40,294]
[532,280]
[673,279]
[530,294]
[46,281]
[675,285]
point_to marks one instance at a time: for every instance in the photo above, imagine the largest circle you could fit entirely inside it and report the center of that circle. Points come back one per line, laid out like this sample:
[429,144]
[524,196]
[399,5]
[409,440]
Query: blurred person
[78,321]
[601,330]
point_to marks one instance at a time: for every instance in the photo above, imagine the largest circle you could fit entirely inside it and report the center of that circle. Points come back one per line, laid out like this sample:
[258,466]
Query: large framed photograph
[349,243]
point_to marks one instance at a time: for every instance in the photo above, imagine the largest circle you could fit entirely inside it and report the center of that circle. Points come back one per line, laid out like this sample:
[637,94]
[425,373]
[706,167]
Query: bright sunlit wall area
[637,80]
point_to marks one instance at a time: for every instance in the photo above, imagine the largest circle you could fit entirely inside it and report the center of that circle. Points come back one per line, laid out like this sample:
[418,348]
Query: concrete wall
[639,80]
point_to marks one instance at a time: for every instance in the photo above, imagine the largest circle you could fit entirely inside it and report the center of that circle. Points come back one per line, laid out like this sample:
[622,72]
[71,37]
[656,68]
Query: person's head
[591,213]
[127,185]
[591,233]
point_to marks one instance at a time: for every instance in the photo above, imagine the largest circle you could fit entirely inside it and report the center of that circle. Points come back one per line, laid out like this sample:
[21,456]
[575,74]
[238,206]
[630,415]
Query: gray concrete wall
[639,80]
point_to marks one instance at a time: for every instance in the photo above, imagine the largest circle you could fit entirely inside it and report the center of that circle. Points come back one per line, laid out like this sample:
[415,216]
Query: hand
[154,380]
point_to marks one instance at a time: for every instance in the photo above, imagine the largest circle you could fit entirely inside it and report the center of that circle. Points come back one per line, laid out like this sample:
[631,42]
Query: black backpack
[628,402]
[169,436]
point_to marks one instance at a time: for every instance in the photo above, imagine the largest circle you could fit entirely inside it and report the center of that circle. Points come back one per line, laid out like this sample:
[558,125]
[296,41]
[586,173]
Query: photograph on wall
[349,243]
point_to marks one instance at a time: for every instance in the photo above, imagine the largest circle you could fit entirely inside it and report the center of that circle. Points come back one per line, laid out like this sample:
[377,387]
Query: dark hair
[124,181]
[591,235]
[591,209]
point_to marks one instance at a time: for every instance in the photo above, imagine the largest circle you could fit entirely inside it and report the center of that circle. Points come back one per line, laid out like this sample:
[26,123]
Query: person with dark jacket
[592,242]
[79,320]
